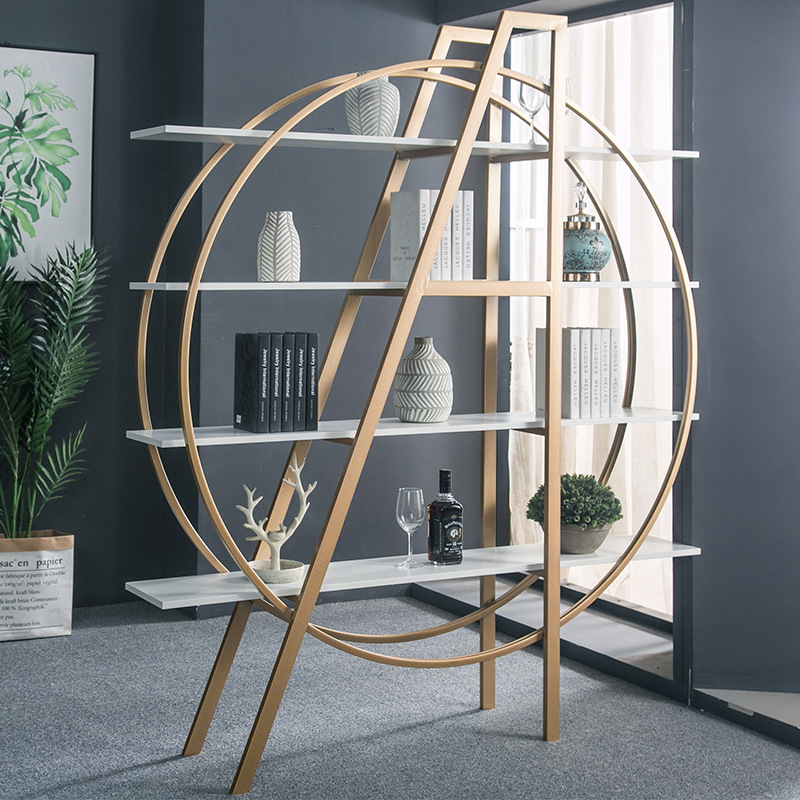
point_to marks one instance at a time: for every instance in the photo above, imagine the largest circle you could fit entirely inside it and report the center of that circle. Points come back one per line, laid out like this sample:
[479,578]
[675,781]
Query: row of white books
[590,372]
[411,210]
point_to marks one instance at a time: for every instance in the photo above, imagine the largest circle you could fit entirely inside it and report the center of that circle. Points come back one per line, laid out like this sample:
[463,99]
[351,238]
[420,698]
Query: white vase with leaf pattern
[423,385]
[373,108]
[279,248]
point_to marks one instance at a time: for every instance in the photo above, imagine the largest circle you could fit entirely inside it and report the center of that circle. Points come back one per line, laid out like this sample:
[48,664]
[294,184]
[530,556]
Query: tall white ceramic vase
[423,385]
[373,108]
[279,248]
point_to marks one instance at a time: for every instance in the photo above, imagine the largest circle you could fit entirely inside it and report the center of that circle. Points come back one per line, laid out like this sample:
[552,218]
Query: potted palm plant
[588,510]
[46,359]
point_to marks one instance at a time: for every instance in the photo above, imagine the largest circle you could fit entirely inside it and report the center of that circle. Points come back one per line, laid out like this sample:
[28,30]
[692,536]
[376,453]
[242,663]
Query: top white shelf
[396,144]
[374,286]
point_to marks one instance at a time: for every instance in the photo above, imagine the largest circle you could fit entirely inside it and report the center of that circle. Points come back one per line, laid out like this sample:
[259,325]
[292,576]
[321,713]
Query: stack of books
[411,210]
[275,382]
[590,372]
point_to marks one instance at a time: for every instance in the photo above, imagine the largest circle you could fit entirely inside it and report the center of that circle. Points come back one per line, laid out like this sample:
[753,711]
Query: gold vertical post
[488,584]
[552,545]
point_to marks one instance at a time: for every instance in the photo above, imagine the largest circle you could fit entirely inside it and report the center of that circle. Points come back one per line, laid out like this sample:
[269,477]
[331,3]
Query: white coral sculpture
[276,539]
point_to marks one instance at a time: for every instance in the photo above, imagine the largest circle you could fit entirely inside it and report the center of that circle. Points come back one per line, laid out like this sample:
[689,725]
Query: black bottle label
[445,533]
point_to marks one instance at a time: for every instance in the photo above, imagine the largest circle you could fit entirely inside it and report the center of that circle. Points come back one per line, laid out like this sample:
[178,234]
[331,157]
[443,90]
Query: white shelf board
[231,587]
[627,284]
[396,144]
[346,429]
[366,286]
[271,286]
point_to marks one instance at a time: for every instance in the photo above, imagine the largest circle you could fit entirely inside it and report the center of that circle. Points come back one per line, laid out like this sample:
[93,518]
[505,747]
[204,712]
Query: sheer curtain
[620,72]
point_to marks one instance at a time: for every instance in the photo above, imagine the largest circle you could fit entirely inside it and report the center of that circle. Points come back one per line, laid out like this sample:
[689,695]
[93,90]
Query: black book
[246,384]
[300,385]
[312,374]
[287,383]
[275,381]
[263,382]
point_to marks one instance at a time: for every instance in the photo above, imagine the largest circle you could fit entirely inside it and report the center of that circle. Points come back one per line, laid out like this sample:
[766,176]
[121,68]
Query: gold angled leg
[369,421]
[262,725]
[216,681]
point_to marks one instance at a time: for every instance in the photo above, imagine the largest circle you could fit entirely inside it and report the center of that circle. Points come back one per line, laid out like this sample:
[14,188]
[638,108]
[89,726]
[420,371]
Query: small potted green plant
[588,510]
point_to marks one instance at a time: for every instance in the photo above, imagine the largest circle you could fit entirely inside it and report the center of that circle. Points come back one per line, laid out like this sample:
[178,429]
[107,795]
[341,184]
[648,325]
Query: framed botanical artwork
[46,117]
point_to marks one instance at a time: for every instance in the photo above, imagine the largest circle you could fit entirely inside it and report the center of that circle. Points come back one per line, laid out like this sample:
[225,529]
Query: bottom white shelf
[231,587]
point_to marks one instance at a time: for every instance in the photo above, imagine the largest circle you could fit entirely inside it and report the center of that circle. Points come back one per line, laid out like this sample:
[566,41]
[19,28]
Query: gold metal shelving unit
[485,109]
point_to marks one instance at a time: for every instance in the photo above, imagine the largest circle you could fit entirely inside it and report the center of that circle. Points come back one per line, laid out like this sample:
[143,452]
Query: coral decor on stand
[275,569]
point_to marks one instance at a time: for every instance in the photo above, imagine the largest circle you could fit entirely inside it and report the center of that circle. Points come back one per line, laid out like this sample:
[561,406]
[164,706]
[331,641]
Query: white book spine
[446,250]
[540,343]
[614,400]
[571,374]
[586,373]
[596,361]
[469,199]
[436,267]
[410,212]
[457,237]
[605,372]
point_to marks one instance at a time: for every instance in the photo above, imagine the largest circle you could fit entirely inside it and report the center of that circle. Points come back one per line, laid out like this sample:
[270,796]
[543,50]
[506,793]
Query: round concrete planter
[579,542]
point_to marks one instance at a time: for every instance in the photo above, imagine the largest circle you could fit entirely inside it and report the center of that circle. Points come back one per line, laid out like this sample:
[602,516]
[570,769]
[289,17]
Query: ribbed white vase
[423,385]
[373,108]
[279,248]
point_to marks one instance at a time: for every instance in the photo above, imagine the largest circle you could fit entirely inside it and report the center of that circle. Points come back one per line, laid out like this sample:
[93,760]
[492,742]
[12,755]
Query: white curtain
[620,72]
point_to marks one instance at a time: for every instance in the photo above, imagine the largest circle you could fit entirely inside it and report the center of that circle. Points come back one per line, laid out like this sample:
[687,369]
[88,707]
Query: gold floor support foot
[216,681]
[488,641]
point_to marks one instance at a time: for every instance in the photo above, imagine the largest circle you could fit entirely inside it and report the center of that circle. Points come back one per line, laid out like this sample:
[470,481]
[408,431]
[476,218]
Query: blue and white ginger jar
[587,249]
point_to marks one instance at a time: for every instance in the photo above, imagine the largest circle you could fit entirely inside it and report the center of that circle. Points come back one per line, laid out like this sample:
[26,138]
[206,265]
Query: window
[620,72]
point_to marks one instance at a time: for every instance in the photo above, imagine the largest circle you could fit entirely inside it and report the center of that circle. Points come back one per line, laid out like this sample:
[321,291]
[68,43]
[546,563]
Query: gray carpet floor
[103,714]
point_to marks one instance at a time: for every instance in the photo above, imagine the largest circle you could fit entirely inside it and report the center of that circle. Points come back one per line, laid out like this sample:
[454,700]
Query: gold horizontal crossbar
[481,288]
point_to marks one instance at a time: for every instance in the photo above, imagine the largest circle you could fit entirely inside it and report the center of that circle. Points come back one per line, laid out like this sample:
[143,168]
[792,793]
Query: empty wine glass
[531,100]
[410,515]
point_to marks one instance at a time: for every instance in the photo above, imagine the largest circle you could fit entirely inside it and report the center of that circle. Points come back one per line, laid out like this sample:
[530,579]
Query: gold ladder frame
[486,103]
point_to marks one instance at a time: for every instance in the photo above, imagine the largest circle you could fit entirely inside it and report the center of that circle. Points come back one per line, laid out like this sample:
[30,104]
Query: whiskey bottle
[445,515]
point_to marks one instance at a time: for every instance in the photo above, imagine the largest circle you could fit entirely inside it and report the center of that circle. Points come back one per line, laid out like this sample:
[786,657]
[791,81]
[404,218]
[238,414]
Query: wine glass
[531,100]
[410,515]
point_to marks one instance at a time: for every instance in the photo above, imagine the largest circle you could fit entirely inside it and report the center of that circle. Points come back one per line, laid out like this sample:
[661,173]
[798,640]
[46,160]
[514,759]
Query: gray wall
[746,470]
[743,470]
[123,529]
[253,58]
[744,465]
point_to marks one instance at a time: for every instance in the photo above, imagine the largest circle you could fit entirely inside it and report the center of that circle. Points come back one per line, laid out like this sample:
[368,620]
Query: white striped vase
[373,108]
[423,385]
[279,248]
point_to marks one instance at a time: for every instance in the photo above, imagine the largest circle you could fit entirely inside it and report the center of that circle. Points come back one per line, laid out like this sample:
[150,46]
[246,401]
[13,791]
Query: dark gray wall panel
[253,58]
[745,465]
[121,524]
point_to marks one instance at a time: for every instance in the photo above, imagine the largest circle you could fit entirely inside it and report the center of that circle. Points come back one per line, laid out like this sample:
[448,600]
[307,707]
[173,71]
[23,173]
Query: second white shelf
[346,429]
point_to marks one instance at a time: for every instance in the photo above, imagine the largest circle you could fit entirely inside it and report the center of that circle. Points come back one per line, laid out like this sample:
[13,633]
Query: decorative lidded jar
[586,247]
[423,385]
